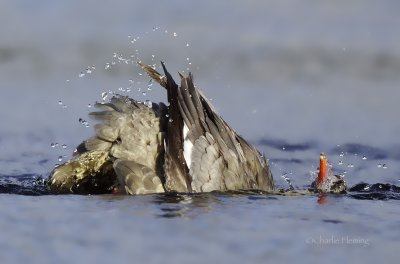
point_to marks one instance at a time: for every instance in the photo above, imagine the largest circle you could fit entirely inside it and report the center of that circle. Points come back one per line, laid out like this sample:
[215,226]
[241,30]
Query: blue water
[294,78]
[195,229]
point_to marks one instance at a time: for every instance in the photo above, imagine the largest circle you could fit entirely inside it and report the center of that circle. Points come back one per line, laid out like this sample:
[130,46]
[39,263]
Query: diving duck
[142,148]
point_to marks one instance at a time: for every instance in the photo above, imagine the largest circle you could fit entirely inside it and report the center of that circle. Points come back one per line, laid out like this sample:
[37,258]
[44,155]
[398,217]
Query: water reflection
[322,199]
[172,205]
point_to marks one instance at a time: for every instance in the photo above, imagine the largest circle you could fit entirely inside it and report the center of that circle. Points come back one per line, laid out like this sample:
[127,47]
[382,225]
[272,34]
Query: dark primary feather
[176,171]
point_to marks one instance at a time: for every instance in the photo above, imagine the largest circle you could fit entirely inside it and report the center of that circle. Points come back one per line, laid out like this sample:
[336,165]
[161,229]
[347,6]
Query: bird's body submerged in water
[140,148]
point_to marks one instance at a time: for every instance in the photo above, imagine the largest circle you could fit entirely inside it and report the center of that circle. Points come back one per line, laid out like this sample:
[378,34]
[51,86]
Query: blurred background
[293,77]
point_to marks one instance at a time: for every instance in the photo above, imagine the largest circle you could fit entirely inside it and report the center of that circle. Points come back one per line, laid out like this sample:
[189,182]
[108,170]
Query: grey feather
[137,178]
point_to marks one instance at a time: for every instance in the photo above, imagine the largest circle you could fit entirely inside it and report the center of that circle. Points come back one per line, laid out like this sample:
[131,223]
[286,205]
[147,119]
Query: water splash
[148,103]
[288,181]
[104,96]
[149,85]
[60,103]
[83,122]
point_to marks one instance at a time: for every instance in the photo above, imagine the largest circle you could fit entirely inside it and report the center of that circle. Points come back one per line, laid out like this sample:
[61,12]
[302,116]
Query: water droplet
[364,157]
[53,145]
[88,70]
[384,166]
[107,66]
[83,122]
[283,148]
[379,165]
[81,74]
[128,89]
[89,106]
[175,35]
[150,84]
[68,80]
[340,162]
[60,158]
[170,120]
[350,165]
[341,154]
[144,93]
[188,59]
[187,44]
[64,146]
[60,102]
[104,95]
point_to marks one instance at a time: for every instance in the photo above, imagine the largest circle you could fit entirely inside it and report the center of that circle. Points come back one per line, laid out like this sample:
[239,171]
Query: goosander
[140,148]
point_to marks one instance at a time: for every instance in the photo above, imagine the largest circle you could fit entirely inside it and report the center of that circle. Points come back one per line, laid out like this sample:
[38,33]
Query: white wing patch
[187,146]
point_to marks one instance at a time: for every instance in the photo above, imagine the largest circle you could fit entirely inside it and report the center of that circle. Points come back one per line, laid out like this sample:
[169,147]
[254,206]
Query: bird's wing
[127,130]
[135,130]
[211,150]
[137,178]
[205,153]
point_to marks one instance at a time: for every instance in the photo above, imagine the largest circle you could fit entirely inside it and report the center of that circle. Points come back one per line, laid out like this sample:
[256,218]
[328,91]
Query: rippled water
[196,228]
[294,78]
